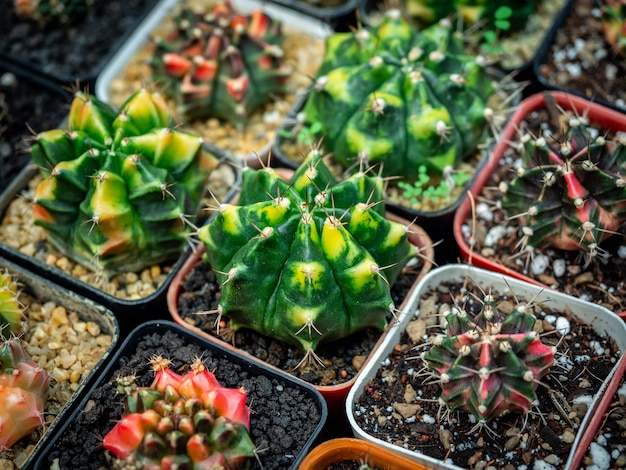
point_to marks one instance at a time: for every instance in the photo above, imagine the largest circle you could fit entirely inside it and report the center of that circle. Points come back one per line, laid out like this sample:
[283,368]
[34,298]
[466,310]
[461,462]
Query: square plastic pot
[596,113]
[43,291]
[273,396]
[602,320]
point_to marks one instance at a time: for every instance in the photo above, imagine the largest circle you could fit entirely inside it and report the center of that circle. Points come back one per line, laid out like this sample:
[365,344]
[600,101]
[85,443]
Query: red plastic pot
[335,395]
[596,113]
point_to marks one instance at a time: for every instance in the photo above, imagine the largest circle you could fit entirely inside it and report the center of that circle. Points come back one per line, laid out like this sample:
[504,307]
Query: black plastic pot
[341,17]
[274,398]
[42,290]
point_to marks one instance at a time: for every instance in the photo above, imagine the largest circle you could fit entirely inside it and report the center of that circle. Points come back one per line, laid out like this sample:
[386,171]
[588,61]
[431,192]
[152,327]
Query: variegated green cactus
[400,98]
[10,308]
[307,261]
[119,187]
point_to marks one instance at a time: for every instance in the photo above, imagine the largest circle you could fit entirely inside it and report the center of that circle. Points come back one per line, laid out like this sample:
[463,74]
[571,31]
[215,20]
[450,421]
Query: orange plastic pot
[348,448]
[596,113]
[335,395]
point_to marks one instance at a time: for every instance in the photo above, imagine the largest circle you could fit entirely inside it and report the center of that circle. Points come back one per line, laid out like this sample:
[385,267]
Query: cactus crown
[306,261]
[52,12]
[23,393]
[221,64]
[568,194]
[10,308]
[187,421]
[489,364]
[401,98]
[117,187]
[614,24]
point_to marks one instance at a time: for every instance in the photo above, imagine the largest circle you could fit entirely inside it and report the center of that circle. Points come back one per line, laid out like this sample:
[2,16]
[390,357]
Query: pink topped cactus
[23,393]
[187,421]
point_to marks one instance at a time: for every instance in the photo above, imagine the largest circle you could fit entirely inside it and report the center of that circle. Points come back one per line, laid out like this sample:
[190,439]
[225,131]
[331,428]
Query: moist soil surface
[400,405]
[283,416]
[580,60]
[602,281]
[71,52]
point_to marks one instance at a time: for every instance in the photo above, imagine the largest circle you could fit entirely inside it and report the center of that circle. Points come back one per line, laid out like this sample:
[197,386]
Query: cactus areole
[569,195]
[489,364]
[400,98]
[118,188]
[221,64]
[181,422]
[307,261]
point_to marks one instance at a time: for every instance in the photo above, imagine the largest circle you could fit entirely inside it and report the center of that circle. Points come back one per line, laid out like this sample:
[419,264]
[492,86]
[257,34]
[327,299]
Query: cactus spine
[221,64]
[23,393]
[187,421]
[118,187]
[489,364]
[52,12]
[309,261]
[400,98]
[569,195]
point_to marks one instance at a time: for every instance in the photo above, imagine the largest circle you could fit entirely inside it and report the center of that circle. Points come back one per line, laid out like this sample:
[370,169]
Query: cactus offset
[52,12]
[489,364]
[23,393]
[118,187]
[569,195]
[221,64]
[10,308]
[303,261]
[614,24]
[187,421]
[401,98]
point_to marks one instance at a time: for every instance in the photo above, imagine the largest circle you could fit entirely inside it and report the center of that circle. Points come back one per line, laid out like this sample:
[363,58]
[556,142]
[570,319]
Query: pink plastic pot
[598,114]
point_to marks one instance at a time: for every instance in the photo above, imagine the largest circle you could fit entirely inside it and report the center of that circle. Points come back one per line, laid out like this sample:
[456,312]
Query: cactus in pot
[307,261]
[119,187]
[401,99]
[187,421]
[614,24]
[52,12]
[221,63]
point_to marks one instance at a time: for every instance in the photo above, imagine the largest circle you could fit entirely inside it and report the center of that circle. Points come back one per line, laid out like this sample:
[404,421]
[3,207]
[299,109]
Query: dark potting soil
[543,436]
[26,107]
[342,359]
[72,52]
[581,60]
[283,417]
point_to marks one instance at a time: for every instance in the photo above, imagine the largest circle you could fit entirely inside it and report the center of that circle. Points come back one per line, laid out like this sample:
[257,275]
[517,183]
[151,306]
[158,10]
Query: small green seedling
[502,22]
[425,189]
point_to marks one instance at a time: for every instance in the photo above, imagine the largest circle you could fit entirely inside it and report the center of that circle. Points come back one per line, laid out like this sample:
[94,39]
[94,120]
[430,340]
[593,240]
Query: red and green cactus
[614,24]
[489,364]
[119,188]
[221,64]
[23,393]
[568,194]
[10,308]
[53,12]
[401,99]
[307,261]
[187,421]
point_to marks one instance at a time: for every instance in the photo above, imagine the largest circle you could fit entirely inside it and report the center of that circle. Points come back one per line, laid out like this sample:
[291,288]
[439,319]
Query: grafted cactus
[569,195]
[309,261]
[401,98]
[489,364]
[53,12]
[23,393]
[614,24]
[221,64]
[187,421]
[10,308]
[118,188]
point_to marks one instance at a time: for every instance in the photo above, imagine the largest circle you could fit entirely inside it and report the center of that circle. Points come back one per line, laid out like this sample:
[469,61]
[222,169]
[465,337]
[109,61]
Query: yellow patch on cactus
[231,222]
[359,141]
[308,274]
[361,274]
[303,316]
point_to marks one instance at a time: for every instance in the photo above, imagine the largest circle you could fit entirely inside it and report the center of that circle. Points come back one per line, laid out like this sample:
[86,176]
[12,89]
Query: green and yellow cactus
[119,188]
[52,12]
[307,261]
[401,99]
[10,308]
[181,422]
[614,24]
[221,64]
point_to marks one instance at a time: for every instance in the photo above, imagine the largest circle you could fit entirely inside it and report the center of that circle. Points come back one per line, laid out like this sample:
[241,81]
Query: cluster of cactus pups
[222,63]
[489,364]
[23,384]
[119,188]
[307,261]
[614,24]
[52,12]
[401,99]
[568,194]
[187,421]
